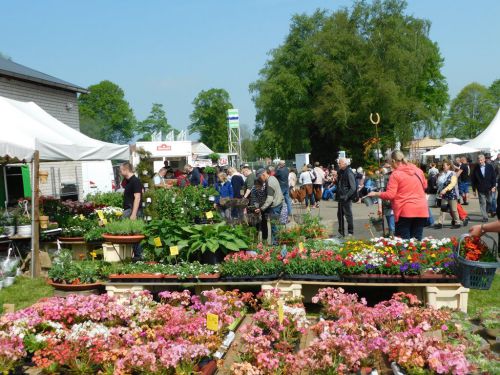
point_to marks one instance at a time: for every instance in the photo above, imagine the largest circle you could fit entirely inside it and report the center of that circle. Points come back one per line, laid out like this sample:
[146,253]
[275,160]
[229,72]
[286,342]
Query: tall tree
[105,114]
[470,112]
[247,143]
[319,87]
[494,90]
[209,118]
[155,123]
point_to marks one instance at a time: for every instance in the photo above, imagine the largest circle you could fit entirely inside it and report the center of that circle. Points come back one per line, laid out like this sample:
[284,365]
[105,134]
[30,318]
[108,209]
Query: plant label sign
[209,215]
[212,322]
[281,314]
[157,241]
[174,250]
[100,214]
[301,247]
[104,221]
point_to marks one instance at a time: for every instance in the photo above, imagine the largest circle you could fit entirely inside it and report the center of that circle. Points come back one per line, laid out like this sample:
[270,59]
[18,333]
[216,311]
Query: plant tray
[430,278]
[252,278]
[372,278]
[74,287]
[123,239]
[147,277]
[312,277]
[71,239]
[208,277]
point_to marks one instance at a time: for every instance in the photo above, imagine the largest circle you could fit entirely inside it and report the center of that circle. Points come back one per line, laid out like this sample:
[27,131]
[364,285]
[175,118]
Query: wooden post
[35,201]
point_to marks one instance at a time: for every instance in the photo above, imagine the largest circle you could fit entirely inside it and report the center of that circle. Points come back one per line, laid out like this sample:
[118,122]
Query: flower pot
[212,258]
[71,239]
[208,277]
[24,230]
[74,287]
[44,222]
[208,368]
[8,281]
[123,239]
[10,230]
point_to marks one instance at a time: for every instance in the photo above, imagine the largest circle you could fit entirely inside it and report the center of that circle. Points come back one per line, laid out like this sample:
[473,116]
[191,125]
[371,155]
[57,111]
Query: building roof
[12,69]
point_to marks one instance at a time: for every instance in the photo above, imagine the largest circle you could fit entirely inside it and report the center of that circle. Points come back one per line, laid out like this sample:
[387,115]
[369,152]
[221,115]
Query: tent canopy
[200,148]
[451,149]
[26,127]
[489,139]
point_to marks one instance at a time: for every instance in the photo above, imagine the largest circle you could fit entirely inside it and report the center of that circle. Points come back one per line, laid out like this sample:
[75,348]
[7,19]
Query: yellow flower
[409,257]
[118,213]
[433,255]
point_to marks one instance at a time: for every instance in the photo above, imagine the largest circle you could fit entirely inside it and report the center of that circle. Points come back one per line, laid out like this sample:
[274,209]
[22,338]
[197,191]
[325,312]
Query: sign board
[233,118]
[167,149]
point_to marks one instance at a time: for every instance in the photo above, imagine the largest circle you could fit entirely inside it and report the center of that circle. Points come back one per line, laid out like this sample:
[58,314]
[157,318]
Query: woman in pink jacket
[406,191]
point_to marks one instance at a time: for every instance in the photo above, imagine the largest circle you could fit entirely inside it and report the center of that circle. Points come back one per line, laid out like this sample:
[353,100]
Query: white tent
[31,134]
[26,128]
[200,149]
[451,149]
[489,139]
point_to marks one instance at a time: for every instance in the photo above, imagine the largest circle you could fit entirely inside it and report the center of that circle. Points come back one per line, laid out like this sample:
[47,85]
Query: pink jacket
[406,191]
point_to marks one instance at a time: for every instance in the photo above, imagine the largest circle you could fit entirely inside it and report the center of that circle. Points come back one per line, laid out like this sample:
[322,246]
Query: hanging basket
[476,275]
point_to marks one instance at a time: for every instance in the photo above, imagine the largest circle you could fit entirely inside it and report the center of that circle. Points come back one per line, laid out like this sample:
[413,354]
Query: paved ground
[328,214]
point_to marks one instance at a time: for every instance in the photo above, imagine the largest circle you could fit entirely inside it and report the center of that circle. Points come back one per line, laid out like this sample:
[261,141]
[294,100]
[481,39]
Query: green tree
[248,148]
[318,88]
[470,112]
[105,114]
[209,118]
[155,123]
[495,92]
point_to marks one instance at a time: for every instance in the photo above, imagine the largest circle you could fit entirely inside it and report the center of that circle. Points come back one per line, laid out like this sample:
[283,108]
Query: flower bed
[101,334]
[249,265]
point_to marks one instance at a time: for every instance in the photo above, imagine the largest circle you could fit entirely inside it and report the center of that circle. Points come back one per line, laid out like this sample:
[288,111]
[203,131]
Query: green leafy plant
[77,226]
[248,264]
[94,234]
[23,220]
[109,199]
[182,270]
[125,227]
[214,157]
[67,271]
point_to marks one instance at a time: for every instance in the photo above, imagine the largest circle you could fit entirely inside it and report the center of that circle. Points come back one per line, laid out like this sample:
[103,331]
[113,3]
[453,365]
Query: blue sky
[167,51]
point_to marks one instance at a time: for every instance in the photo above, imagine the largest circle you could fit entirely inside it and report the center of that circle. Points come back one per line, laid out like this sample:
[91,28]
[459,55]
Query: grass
[485,298]
[25,292]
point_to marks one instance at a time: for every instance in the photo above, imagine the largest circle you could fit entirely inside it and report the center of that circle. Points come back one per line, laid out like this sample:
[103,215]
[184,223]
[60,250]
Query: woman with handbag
[449,196]
[305,180]
[225,190]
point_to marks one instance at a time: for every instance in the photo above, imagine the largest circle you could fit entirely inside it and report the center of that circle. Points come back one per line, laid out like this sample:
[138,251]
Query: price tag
[212,322]
[301,246]
[104,221]
[82,217]
[281,314]
[100,214]
[209,215]
[174,250]
[157,241]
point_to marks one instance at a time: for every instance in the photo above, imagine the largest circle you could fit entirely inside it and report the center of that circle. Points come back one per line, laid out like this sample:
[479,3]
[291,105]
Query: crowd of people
[403,192]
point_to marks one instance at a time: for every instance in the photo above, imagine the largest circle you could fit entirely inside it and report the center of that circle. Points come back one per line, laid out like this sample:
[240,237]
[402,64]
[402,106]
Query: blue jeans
[288,201]
[329,193]
[494,202]
[391,223]
[411,227]
[275,212]
[430,221]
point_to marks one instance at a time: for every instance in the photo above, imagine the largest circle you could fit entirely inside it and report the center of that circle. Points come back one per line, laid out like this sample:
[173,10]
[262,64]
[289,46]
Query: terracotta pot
[209,368]
[123,239]
[207,276]
[71,239]
[74,287]
[44,222]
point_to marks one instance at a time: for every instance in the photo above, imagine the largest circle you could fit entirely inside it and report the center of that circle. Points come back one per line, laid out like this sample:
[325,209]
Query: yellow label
[104,221]
[174,250]
[100,214]
[209,215]
[301,246]
[281,314]
[82,217]
[212,322]
[157,241]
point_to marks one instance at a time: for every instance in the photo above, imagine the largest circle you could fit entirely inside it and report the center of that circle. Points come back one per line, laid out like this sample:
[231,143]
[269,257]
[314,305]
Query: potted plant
[43,219]
[24,225]
[311,265]
[252,266]
[94,235]
[124,231]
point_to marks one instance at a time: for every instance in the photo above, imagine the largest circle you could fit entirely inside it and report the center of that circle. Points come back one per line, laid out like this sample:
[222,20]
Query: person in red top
[406,191]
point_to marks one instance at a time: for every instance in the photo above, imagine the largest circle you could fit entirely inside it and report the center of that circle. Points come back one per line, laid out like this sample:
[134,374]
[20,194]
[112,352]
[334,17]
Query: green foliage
[156,122]
[209,118]
[470,112]
[182,270]
[109,199]
[65,270]
[494,90]
[247,265]
[334,69]
[94,234]
[105,114]
[186,205]
[192,240]
[214,157]
[77,227]
[125,227]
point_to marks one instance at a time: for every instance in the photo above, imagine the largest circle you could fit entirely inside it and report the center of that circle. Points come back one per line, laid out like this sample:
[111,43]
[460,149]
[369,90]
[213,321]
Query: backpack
[355,197]
[313,176]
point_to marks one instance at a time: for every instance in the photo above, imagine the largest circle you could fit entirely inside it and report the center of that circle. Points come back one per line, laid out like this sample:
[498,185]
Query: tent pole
[35,209]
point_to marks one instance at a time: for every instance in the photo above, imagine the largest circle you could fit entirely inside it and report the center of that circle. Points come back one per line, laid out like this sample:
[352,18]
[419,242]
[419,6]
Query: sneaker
[465,204]
[350,235]
[455,226]
[466,221]
[438,226]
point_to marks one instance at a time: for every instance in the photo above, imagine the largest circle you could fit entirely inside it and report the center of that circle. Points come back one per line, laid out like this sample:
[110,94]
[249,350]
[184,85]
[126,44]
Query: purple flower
[403,267]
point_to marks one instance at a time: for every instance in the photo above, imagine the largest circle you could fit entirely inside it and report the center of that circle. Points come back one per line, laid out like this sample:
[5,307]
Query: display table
[438,295]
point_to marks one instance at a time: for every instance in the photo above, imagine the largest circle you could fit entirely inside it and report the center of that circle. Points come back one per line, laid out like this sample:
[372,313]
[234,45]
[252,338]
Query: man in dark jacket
[483,184]
[346,187]
[282,176]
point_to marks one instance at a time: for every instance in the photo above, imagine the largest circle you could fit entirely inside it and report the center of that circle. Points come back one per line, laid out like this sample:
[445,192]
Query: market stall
[29,134]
